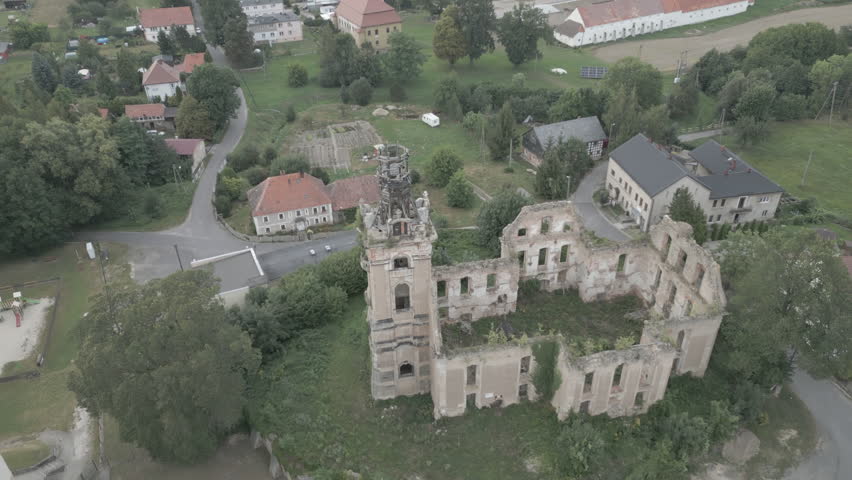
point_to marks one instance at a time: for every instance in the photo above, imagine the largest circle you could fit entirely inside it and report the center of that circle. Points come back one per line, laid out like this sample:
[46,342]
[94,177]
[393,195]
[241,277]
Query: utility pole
[640,51]
[482,140]
[178,257]
[568,190]
[722,126]
[511,142]
[810,157]
[831,111]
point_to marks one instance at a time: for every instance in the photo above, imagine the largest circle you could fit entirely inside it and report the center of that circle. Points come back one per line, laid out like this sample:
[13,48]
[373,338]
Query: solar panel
[592,72]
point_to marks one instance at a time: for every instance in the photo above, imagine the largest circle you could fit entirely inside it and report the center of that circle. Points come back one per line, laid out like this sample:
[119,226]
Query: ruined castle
[409,300]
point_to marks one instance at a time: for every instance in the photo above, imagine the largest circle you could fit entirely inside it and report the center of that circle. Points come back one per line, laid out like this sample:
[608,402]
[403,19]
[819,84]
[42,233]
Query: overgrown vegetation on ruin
[589,327]
[546,378]
[458,246]
[316,399]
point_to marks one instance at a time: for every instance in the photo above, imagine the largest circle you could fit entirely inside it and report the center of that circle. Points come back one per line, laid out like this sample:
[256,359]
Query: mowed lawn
[15,69]
[30,406]
[49,11]
[783,156]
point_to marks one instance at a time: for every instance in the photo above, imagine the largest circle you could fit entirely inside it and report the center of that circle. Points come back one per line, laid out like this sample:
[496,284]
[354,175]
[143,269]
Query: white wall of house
[151,33]
[277,32]
[286,221]
[198,156]
[263,9]
[641,25]
[754,207]
[162,90]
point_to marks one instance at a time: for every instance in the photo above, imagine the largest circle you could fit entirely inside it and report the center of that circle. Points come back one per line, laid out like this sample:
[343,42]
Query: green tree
[496,214]
[216,88]
[580,446]
[446,97]
[520,30]
[161,359]
[239,42]
[448,41]
[501,132]
[713,69]
[337,58]
[442,166]
[684,97]
[165,44]
[24,34]
[479,23]
[181,39]
[630,73]
[361,91]
[459,191]
[193,120]
[368,64]
[750,130]
[129,79]
[70,78]
[104,85]
[756,101]
[825,73]
[806,42]
[43,74]
[88,55]
[622,116]
[578,102]
[657,463]
[789,106]
[404,60]
[291,164]
[567,158]
[657,125]
[297,75]
[684,209]
[343,270]
[146,159]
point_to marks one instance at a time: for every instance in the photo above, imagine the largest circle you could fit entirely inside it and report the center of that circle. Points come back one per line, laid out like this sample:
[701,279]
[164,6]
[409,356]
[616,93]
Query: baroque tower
[397,238]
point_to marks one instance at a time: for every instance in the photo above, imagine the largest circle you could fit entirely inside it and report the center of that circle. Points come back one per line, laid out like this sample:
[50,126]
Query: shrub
[153,206]
[528,287]
[441,168]
[244,158]
[297,75]
[545,377]
[580,445]
[255,175]
[222,204]
[601,196]
[414,175]
[361,91]
[459,191]
[509,170]
[343,269]
[473,122]
[397,93]
[344,95]
[290,115]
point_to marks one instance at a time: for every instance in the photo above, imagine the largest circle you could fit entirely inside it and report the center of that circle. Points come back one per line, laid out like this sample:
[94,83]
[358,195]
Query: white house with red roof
[155,20]
[370,21]
[161,81]
[616,19]
[298,201]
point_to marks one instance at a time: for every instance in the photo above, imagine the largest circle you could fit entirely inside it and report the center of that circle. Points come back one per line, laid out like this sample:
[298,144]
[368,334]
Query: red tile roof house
[154,20]
[298,201]
[151,115]
[192,148]
[190,61]
[616,19]
[368,21]
[161,80]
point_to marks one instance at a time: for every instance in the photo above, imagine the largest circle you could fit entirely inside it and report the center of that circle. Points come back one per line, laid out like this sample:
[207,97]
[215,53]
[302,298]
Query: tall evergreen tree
[104,85]
[684,209]
[165,44]
[70,78]
[239,42]
[129,79]
[500,134]
[479,23]
[448,42]
[43,74]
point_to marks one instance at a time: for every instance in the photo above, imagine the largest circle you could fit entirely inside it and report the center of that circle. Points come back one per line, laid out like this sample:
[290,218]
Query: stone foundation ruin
[408,301]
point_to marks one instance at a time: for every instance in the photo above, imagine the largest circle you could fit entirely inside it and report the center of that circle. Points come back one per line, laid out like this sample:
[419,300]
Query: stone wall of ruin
[480,299]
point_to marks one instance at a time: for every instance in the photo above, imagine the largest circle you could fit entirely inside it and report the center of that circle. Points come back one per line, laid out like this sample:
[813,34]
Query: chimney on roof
[288,181]
[301,174]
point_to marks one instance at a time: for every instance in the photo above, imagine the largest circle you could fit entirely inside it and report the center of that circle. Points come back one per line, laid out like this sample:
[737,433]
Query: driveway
[688,137]
[593,219]
[832,412]
[664,53]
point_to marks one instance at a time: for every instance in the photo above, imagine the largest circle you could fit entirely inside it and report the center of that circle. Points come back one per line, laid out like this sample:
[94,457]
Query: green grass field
[25,454]
[783,156]
[176,199]
[30,406]
[16,68]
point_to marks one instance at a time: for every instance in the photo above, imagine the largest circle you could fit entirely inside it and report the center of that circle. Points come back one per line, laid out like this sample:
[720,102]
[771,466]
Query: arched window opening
[406,369]
[403,301]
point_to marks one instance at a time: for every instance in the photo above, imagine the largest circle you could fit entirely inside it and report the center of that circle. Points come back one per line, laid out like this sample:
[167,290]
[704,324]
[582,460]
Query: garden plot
[332,146]
[17,343]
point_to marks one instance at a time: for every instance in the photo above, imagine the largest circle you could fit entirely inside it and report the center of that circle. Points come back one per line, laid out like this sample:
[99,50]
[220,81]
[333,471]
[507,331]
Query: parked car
[328,248]
[312,252]
[197,29]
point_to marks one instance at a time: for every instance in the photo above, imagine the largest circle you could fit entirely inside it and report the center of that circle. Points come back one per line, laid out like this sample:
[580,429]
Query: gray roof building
[648,164]
[272,19]
[586,129]
[246,3]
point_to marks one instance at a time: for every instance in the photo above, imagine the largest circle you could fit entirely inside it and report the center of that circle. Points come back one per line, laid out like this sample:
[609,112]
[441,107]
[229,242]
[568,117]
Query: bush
[344,95]
[580,446]
[397,93]
[509,170]
[459,191]
[244,158]
[255,175]
[222,204]
[297,75]
[545,377]
[473,122]
[290,115]
[601,196]
[153,206]
[343,269]
[361,91]
[528,287]
[291,164]
[414,175]
[441,168]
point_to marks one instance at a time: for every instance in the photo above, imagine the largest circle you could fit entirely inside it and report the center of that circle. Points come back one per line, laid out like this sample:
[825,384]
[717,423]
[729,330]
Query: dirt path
[664,53]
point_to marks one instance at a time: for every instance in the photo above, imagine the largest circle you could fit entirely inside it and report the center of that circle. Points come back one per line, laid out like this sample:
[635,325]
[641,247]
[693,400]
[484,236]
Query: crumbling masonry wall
[473,290]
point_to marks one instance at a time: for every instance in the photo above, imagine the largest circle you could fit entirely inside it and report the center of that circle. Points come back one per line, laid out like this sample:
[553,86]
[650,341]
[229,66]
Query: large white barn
[616,19]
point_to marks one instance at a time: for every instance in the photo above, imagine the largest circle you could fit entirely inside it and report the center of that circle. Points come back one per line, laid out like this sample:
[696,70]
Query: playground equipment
[17,305]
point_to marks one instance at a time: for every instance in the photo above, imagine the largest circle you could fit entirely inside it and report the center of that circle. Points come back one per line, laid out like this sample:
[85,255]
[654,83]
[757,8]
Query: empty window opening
[402,298]
[680,336]
[675,363]
[465,285]
[563,254]
[442,288]
[406,370]
[280,216]
[471,375]
[444,312]
[562,276]
[521,257]
[681,264]
[542,256]
[566,227]
[673,294]
[688,310]
[545,225]
[525,364]
[584,407]
[491,280]
[616,377]
[466,317]
[522,392]
[723,203]
[667,244]
[639,401]
[522,232]
[741,203]
[400,262]
[699,275]
[622,260]
[657,279]
[470,400]
[501,299]
[587,382]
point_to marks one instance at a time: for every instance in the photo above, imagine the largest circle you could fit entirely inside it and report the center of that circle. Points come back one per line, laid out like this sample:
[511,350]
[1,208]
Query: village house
[616,19]
[152,115]
[155,20]
[642,178]
[257,8]
[190,61]
[161,81]
[588,130]
[297,201]
[192,149]
[275,28]
[370,21]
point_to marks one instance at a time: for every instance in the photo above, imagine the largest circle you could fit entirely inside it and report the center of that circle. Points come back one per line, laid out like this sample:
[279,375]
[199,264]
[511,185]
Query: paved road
[688,137]
[592,217]
[664,53]
[832,412]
